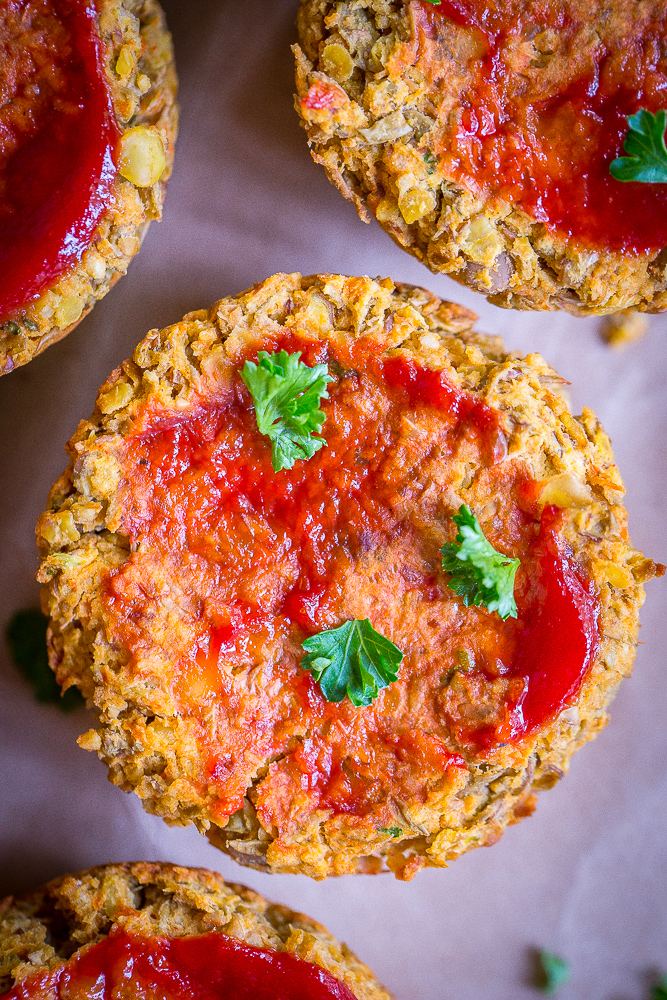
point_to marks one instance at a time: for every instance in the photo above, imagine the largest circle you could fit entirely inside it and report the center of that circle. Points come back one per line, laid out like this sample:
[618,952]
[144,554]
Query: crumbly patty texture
[139,63]
[242,751]
[43,929]
[382,85]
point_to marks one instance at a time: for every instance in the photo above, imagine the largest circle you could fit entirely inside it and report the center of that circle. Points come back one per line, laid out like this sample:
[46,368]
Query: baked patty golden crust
[182,576]
[43,929]
[480,137]
[139,66]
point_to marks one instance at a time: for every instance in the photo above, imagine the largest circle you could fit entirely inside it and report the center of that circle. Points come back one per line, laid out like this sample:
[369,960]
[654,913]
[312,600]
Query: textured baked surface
[377,97]
[143,86]
[153,745]
[41,930]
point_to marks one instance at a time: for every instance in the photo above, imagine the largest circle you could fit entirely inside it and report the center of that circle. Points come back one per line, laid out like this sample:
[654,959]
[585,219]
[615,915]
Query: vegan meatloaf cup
[171,932]
[480,136]
[88,121]
[186,578]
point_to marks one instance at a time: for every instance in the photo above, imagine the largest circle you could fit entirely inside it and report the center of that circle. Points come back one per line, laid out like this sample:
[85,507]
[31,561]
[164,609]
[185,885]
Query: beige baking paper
[587,875]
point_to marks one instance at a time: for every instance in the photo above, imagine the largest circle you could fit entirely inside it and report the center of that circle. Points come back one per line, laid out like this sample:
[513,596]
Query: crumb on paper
[623,328]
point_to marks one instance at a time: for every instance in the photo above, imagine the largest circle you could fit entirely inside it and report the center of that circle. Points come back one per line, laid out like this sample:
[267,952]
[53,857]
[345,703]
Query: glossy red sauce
[557,633]
[421,386]
[254,561]
[549,149]
[336,497]
[58,136]
[322,96]
[211,967]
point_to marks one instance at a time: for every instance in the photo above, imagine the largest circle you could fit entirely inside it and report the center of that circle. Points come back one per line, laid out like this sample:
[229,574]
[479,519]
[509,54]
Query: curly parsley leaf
[478,572]
[354,660]
[287,394]
[26,638]
[645,142]
[659,991]
[555,972]
[390,831]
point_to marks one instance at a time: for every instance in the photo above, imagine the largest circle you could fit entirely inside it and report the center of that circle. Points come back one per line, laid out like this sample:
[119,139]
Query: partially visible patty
[182,575]
[43,929]
[139,66]
[464,143]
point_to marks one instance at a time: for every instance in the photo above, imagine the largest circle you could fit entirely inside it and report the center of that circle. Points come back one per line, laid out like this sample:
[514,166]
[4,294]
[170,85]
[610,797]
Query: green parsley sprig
[645,144]
[479,573]
[26,638]
[555,972]
[659,991]
[287,395]
[354,660]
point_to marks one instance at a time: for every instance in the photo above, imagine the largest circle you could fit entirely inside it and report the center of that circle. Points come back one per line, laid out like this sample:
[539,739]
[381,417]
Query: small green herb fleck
[436,3]
[659,991]
[12,328]
[479,573]
[645,142]
[26,638]
[287,394]
[555,972]
[30,324]
[354,660]
[390,831]
[430,161]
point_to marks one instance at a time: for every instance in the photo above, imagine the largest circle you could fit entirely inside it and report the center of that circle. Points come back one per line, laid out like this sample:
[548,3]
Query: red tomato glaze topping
[545,111]
[557,632]
[211,967]
[58,136]
[232,565]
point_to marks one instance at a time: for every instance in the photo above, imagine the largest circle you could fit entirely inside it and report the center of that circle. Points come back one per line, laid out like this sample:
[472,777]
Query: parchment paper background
[587,875]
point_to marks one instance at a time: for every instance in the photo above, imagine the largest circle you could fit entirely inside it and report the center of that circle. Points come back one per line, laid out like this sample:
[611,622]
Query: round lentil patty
[183,575]
[480,136]
[136,60]
[43,930]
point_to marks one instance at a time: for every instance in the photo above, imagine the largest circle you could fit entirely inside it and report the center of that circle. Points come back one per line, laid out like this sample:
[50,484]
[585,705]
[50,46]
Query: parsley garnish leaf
[659,991]
[556,972]
[478,572]
[390,831]
[354,660]
[645,142]
[26,638]
[287,394]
